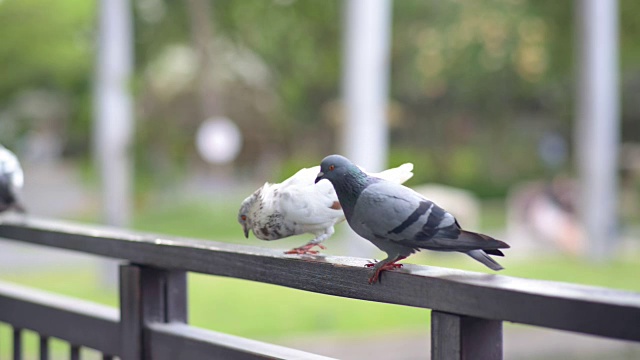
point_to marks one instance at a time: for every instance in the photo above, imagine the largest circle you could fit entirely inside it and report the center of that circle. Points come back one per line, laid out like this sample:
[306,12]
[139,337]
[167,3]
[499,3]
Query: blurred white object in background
[218,140]
[113,126]
[598,124]
[365,89]
[365,82]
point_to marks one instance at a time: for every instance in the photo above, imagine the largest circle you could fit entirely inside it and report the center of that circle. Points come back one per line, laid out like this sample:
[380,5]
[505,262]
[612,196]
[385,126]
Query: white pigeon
[298,206]
[11,181]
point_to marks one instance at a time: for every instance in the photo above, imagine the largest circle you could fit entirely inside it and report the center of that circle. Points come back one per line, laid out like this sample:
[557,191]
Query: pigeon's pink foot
[305,250]
[388,266]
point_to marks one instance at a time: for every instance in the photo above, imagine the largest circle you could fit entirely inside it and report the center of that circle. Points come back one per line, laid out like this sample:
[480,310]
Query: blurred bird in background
[11,181]
[298,206]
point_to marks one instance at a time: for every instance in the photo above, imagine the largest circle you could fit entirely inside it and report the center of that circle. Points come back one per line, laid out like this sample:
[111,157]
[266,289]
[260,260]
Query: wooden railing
[467,308]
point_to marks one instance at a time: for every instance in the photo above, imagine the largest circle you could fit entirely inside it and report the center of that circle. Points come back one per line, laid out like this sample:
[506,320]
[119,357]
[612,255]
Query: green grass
[216,221]
[263,311]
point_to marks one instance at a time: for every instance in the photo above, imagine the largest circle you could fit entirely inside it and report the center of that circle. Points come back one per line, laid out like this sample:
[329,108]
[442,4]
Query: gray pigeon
[398,220]
[11,179]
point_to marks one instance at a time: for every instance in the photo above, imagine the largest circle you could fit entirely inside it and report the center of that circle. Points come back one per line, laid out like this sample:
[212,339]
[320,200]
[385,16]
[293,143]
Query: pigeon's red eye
[243,217]
[331,168]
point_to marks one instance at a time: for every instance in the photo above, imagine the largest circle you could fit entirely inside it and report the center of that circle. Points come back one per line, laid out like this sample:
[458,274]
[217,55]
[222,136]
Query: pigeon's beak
[319,177]
[246,230]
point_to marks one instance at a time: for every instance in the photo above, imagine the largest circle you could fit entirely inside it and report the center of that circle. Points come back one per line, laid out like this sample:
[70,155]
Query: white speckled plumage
[298,206]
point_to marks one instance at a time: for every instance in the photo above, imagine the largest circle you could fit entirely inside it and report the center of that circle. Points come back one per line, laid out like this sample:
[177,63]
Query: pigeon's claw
[393,265]
[306,250]
[380,267]
[376,277]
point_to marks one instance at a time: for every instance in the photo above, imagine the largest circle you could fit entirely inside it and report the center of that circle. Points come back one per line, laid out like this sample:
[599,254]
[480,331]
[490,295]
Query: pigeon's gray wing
[400,215]
[384,210]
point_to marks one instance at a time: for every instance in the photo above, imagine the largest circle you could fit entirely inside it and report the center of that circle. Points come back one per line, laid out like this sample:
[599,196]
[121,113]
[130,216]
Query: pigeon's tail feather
[398,174]
[495,252]
[485,259]
[482,241]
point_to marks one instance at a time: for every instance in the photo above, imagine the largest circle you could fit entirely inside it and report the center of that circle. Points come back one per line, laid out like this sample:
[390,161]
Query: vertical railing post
[463,337]
[17,343]
[148,295]
[176,307]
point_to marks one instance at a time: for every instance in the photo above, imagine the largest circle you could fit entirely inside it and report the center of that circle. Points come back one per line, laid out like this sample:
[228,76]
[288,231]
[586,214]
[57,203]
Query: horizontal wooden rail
[179,341]
[61,317]
[584,309]
[97,326]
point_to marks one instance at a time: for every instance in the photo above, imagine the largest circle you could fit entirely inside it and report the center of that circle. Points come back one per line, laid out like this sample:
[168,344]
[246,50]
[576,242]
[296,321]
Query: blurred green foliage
[46,46]
[474,84]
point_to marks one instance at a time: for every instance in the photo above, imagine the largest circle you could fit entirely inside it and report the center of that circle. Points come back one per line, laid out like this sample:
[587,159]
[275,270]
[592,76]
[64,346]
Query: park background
[482,97]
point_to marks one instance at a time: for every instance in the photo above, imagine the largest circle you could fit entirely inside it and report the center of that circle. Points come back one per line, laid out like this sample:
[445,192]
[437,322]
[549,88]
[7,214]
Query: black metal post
[44,347]
[17,343]
[464,337]
[148,295]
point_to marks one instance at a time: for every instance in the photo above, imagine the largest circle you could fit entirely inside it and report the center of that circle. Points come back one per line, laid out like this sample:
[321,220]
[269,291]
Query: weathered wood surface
[585,309]
[179,341]
[61,317]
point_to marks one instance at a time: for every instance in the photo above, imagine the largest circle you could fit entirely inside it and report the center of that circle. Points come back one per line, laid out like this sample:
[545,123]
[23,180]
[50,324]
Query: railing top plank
[586,309]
